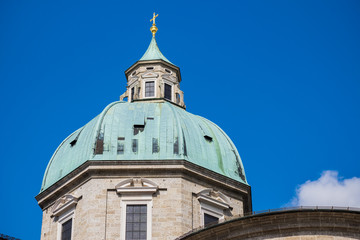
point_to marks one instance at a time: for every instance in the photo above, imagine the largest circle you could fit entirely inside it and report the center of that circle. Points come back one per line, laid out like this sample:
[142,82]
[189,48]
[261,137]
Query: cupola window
[150,89]
[167,93]
[150,68]
[132,93]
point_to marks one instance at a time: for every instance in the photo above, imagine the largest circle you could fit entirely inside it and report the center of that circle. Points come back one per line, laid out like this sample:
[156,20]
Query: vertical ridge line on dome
[199,147]
[181,141]
[233,148]
[178,128]
[52,157]
[108,149]
[219,153]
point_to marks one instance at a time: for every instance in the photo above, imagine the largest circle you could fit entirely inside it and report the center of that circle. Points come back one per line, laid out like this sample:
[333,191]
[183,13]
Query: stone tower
[144,168]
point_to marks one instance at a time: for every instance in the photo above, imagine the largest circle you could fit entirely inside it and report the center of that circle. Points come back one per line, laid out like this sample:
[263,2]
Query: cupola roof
[153,52]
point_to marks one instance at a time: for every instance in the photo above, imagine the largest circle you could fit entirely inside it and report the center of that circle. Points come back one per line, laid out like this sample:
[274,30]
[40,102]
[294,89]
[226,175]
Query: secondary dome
[146,131]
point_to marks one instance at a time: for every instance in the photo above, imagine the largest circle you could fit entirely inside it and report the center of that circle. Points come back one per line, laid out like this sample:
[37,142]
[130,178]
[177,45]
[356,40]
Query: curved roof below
[147,131]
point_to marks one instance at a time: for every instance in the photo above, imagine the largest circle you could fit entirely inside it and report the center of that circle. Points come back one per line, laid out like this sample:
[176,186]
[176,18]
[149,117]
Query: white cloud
[329,190]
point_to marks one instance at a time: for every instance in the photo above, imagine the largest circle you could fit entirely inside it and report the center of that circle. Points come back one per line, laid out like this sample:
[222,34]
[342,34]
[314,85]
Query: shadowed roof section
[146,131]
[153,53]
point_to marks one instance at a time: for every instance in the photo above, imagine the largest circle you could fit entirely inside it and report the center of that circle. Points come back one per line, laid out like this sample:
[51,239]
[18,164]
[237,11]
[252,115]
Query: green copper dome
[146,131]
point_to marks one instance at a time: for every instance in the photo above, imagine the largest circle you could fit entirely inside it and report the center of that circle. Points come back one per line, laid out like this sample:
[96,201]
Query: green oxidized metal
[176,133]
[153,53]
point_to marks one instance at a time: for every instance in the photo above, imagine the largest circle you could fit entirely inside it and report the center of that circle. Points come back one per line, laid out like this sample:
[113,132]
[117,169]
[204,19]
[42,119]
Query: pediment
[150,75]
[136,185]
[168,77]
[215,198]
[64,204]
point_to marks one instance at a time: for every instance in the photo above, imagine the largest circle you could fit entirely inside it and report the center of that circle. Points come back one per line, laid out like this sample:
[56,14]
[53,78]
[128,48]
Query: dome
[138,131]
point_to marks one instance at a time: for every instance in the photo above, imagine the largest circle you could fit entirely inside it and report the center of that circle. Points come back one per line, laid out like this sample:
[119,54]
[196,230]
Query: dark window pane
[143,209]
[66,230]
[136,235]
[209,219]
[142,235]
[129,209]
[143,227]
[132,94]
[167,93]
[143,218]
[149,89]
[136,225]
[129,227]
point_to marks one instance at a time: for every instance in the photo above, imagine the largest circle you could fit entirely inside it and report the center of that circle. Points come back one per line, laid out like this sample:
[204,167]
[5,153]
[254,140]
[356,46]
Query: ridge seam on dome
[52,157]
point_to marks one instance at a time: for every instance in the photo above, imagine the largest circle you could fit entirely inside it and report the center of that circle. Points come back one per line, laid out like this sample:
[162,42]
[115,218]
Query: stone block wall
[97,215]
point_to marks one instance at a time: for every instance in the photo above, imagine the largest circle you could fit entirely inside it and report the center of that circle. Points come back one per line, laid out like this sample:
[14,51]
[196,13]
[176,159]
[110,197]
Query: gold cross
[153,18]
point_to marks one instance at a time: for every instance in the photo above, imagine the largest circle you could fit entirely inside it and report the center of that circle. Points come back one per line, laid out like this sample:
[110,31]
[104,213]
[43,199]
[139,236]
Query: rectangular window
[167,93]
[208,219]
[66,230]
[150,89]
[121,145]
[136,222]
[132,94]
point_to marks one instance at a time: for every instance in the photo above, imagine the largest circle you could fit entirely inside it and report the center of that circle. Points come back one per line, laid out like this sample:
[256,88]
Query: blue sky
[281,78]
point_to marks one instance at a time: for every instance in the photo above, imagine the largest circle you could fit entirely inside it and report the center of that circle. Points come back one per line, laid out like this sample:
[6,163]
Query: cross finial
[153,28]
[153,18]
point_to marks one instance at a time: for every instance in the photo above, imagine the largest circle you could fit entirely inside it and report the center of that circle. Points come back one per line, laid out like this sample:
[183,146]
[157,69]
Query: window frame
[210,210]
[171,91]
[136,200]
[70,214]
[136,191]
[155,88]
[213,203]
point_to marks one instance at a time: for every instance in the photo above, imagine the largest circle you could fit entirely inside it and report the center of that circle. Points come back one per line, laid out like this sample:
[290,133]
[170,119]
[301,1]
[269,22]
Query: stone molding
[159,168]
